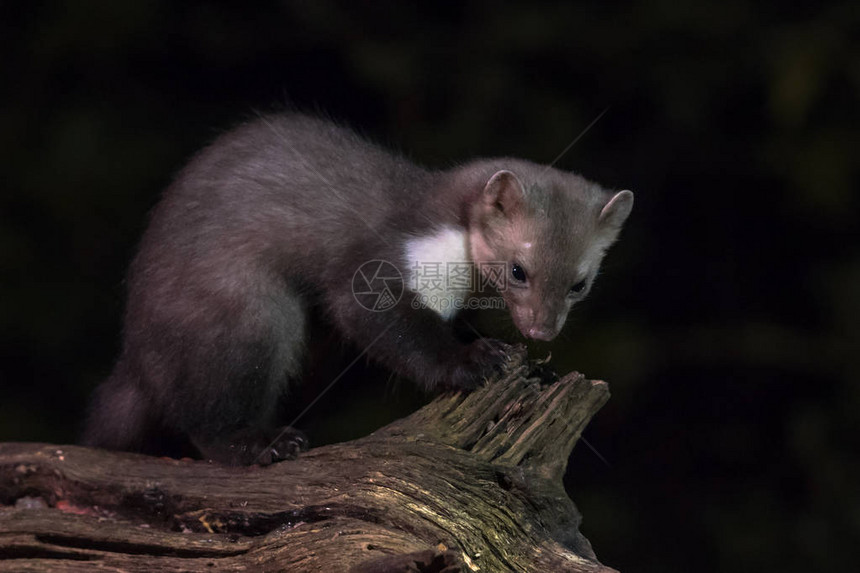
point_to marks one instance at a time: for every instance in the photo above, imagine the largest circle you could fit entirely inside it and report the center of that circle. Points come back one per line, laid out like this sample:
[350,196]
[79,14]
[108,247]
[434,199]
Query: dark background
[726,319]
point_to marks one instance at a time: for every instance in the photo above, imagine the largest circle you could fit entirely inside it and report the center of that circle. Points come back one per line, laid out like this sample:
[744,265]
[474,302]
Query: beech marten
[281,213]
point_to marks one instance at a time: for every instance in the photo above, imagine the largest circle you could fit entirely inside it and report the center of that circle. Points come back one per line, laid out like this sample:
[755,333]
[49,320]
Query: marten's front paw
[480,361]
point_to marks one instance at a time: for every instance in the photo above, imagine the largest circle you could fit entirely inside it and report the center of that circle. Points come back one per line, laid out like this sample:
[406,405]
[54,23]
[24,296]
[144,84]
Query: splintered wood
[471,482]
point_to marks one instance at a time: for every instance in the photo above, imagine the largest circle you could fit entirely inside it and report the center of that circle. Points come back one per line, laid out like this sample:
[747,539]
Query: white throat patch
[440,270]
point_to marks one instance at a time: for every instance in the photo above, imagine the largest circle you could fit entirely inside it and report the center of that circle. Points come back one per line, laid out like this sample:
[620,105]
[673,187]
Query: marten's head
[550,230]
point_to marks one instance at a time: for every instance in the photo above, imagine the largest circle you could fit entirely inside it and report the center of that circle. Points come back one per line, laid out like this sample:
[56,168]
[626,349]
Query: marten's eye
[518,273]
[578,287]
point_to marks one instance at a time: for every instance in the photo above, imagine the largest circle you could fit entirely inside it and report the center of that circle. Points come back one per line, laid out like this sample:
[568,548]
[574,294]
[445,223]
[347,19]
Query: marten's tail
[118,417]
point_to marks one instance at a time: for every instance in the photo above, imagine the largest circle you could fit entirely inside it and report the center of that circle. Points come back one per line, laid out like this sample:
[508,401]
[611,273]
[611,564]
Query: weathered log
[471,482]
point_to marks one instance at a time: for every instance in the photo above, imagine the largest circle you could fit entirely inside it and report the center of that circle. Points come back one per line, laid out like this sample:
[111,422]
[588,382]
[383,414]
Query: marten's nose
[539,333]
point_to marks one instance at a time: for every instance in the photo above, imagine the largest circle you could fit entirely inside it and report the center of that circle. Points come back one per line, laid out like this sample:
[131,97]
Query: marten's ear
[615,212]
[504,193]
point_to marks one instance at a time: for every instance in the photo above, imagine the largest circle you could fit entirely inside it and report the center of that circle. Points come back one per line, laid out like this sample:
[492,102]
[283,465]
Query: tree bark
[471,482]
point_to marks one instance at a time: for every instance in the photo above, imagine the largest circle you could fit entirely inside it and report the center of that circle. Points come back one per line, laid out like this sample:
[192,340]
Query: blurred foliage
[726,318]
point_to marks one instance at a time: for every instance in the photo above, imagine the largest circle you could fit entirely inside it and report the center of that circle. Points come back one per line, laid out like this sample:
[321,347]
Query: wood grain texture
[467,483]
